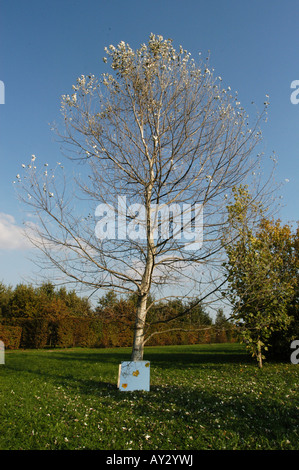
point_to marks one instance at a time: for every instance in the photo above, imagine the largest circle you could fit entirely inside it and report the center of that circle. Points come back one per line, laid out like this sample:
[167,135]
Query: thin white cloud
[12,235]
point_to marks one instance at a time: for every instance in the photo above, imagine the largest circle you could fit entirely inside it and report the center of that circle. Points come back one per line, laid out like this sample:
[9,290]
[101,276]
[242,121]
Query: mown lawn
[202,397]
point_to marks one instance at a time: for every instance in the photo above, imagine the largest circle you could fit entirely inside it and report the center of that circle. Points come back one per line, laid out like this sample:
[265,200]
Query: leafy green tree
[24,302]
[280,340]
[261,270]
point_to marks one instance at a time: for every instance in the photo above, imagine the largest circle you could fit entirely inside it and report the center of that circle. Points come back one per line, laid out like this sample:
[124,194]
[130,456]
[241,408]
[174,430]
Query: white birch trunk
[138,342]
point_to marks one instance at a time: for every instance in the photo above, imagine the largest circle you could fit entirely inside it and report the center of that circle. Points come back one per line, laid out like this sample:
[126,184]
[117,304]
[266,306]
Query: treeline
[27,301]
[39,317]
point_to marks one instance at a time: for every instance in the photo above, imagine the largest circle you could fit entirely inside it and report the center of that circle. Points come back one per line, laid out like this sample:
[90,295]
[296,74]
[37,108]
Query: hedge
[69,332]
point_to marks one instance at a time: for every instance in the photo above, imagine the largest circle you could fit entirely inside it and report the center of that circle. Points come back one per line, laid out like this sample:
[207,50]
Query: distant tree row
[36,317]
[166,318]
[27,301]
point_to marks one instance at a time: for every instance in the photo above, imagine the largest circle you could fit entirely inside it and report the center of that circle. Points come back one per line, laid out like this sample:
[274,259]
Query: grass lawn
[202,397]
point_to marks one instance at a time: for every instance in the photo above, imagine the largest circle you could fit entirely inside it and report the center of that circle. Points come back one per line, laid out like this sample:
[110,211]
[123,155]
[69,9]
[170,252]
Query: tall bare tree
[164,143]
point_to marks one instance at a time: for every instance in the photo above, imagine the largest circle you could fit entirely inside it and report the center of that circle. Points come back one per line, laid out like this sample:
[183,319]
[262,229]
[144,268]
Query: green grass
[202,397]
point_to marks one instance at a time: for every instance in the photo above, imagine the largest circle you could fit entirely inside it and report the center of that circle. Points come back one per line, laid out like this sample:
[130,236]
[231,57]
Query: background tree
[280,340]
[107,300]
[158,130]
[261,271]
[27,301]
[224,327]
[24,302]
[78,306]
[5,296]
[220,319]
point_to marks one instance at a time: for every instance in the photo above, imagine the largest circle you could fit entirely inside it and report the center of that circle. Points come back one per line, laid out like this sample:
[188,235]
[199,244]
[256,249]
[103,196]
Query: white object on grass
[134,375]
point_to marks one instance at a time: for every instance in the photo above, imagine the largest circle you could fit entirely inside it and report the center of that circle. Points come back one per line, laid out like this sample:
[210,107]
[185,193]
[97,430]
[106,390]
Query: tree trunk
[259,354]
[138,343]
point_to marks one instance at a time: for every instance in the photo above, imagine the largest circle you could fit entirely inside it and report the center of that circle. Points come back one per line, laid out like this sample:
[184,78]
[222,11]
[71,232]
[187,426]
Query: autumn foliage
[262,271]
[43,317]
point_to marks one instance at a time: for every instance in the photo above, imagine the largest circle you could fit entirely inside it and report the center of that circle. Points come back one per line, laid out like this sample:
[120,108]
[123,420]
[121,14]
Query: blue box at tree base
[134,375]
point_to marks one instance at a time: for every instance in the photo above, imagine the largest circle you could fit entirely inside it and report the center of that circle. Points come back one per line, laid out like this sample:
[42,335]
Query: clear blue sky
[46,44]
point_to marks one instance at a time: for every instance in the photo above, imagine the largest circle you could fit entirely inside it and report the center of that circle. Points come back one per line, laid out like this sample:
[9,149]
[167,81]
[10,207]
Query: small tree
[160,135]
[261,271]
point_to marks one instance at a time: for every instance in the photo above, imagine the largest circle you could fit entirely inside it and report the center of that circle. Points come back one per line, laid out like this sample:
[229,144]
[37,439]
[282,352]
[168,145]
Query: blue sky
[45,45]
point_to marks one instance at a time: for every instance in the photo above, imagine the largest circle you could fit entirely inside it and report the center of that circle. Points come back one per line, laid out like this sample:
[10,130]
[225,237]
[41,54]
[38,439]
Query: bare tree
[163,143]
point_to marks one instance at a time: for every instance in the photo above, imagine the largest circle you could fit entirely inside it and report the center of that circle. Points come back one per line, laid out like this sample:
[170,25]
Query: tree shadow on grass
[177,358]
[96,371]
[67,366]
